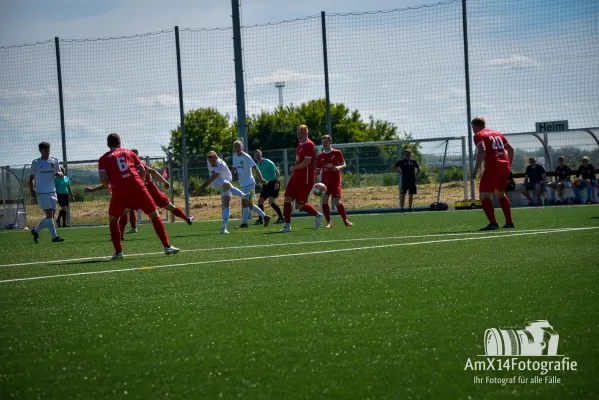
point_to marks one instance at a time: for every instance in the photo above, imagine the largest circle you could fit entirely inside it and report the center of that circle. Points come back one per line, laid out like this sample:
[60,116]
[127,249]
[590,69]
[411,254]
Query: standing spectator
[497,154]
[534,180]
[270,190]
[586,172]
[562,180]
[64,193]
[407,167]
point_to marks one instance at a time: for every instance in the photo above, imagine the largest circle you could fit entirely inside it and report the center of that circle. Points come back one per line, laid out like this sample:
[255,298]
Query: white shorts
[249,190]
[217,185]
[47,201]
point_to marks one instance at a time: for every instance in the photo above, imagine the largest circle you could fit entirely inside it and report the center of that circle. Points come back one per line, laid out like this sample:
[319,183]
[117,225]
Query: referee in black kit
[407,168]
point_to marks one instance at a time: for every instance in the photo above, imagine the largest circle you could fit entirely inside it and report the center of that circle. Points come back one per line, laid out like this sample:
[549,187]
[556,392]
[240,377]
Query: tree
[205,129]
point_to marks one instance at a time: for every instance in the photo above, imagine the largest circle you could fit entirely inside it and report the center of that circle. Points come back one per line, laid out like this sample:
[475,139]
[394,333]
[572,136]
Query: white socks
[226,213]
[259,211]
[245,214]
[236,191]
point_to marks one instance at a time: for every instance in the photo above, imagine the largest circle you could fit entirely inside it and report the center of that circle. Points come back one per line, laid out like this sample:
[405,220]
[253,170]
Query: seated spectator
[587,180]
[562,180]
[534,180]
[511,183]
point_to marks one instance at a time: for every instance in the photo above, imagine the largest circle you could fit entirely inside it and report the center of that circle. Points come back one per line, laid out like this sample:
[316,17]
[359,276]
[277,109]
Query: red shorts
[159,198]
[298,190]
[494,178]
[137,198]
[333,189]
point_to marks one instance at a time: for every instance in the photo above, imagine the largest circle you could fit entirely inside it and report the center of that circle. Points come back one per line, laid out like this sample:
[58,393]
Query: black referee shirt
[408,169]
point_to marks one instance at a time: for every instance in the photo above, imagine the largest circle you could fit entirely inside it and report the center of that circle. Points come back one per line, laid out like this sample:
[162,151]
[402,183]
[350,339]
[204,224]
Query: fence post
[442,171]
[285,166]
[170,181]
[468,108]
[239,85]
[61,104]
[326,73]
[464,168]
[182,117]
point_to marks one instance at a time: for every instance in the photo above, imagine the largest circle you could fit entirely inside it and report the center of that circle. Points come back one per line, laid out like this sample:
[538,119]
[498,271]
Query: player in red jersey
[492,147]
[122,173]
[301,181]
[329,164]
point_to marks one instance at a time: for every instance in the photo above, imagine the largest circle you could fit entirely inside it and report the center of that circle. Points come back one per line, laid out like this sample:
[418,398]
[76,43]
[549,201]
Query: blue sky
[530,61]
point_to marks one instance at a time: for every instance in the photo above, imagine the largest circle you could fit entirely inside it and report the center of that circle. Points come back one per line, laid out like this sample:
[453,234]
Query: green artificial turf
[364,312]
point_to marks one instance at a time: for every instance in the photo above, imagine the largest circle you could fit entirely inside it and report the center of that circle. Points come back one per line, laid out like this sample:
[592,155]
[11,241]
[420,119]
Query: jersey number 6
[122,162]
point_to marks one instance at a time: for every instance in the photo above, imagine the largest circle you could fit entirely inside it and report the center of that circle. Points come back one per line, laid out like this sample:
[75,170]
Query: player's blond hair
[238,142]
[327,137]
[479,121]
[561,158]
[302,128]
[585,158]
[212,153]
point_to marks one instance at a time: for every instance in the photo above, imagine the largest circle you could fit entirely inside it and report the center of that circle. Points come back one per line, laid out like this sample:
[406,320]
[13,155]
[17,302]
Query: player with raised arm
[301,181]
[123,174]
[41,186]
[220,180]
[329,164]
[243,165]
[497,154]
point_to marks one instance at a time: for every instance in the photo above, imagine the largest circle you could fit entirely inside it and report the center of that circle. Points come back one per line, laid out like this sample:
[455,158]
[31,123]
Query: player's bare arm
[104,179]
[303,164]
[259,174]
[91,189]
[480,157]
[335,167]
[205,184]
[142,172]
[510,152]
[31,184]
[153,173]
[71,194]
[398,170]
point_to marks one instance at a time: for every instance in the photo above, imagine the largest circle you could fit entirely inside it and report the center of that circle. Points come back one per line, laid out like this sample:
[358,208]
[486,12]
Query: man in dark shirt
[586,172]
[562,180]
[407,167]
[534,180]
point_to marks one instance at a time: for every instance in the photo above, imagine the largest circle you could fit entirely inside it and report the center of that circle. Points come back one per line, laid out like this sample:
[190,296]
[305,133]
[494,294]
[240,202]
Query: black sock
[277,209]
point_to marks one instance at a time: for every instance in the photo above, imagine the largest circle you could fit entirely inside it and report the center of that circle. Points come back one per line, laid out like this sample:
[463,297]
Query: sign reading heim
[552,126]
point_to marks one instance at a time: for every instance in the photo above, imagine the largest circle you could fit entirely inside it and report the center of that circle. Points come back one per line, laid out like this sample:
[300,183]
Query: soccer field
[393,307]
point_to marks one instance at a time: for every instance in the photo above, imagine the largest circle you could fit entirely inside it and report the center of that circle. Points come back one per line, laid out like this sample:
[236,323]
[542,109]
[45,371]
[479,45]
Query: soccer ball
[319,189]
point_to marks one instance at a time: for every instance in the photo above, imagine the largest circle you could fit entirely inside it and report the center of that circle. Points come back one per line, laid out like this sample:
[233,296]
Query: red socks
[160,231]
[489,210]
[326,210]
[115,236]
[506,207]
[287,212]
[132,219]
[179,213]
[310,210]
[122,223]
[341,211]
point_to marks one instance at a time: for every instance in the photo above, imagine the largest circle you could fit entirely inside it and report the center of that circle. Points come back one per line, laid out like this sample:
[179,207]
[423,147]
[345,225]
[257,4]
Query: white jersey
[224,173]
[244,164]
[44,171]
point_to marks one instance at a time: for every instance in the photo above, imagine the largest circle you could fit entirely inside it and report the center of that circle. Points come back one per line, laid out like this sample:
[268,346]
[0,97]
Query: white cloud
[514,62]
[160,100]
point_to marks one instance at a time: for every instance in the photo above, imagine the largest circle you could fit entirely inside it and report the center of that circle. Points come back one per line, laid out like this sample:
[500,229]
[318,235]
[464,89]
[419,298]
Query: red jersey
[120,166]
[306,149]
[494,141]
[329,176]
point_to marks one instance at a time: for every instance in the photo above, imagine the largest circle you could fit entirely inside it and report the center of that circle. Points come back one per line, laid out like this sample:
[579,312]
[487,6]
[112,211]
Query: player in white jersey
[220,180]
[41,186]
[243,165]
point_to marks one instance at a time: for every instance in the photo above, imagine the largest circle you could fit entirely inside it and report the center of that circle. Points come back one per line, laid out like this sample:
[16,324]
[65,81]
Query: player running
[492,147]
[243,164]
[123,174]
[301,181]
[41,186]
[220,180]
[329,164]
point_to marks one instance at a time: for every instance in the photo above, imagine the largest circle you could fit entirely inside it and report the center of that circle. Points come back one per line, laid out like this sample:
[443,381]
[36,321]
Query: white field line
[297,254]
[76,260]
